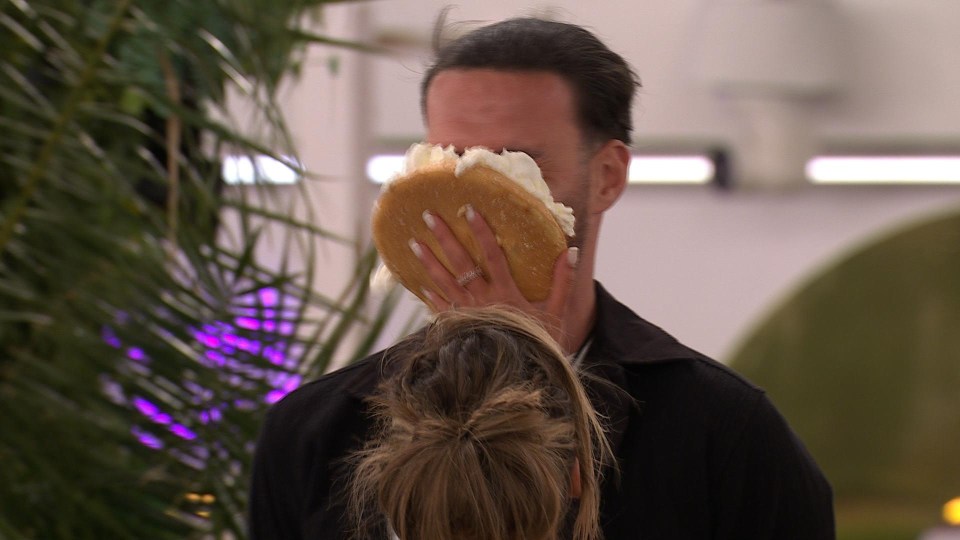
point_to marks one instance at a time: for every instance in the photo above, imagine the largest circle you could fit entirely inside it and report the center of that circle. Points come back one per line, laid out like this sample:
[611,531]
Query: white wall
[903,73]
[704,265]
[707,266]
[901,77]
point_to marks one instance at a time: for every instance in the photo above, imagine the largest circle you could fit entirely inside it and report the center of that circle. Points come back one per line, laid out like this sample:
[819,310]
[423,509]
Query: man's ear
[608,169]
[576,488]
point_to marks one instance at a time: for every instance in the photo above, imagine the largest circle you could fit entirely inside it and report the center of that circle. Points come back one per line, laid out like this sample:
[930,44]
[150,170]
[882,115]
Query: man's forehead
[459,92]
[528,112]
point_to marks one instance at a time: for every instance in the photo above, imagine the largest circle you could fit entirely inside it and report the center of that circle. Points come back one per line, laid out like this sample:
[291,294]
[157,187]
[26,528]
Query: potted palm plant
[138,348]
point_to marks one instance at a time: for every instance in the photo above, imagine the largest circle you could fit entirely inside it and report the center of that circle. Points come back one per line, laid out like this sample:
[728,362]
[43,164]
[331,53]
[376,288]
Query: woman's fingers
[498,285]
[463,268]
[459,258]
[499,276]
[445,282]
[434,301]
[564,272]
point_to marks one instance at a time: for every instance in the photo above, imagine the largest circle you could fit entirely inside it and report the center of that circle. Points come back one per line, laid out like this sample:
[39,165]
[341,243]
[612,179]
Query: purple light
[210,416]
[217,358]
[208,340]
[145,407]
[229,349]
[250,346]
[110,338]
[276,357]
[146,439]
[269,296]
[234,365]
[277,378]
[183,432]
[151,411]
[274,396]
[292,383]
[248,322]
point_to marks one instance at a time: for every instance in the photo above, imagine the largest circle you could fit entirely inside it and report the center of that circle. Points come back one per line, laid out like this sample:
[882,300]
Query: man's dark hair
[603,83]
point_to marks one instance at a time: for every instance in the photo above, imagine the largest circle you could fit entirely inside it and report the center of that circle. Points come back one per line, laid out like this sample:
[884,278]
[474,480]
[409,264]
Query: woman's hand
[470,287]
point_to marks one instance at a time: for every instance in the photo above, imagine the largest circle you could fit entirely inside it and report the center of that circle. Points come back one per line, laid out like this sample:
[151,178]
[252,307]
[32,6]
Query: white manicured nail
[468,211]
[427,294]
[415,247]
[428,219]
[573,256]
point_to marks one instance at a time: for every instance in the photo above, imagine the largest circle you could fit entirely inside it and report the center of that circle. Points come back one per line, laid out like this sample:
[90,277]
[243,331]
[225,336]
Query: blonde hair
[480,422]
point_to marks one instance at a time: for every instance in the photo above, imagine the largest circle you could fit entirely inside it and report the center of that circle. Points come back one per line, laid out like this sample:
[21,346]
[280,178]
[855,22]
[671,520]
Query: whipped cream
[420,155]
[383,280]
[518,166]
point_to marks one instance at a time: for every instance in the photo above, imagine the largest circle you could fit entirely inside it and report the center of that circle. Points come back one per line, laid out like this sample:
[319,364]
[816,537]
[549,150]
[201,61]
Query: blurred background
[813,243]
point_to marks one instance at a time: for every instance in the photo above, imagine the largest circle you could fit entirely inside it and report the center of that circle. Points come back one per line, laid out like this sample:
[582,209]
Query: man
[700,452]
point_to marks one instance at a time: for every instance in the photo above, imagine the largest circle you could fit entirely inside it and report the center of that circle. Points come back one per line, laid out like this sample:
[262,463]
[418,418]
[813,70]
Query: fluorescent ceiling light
[692,169]
[884,170]
[243,170]
[670,170]
[383,167]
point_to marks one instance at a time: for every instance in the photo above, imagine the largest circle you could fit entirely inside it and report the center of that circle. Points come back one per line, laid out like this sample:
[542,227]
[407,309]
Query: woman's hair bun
[481,423]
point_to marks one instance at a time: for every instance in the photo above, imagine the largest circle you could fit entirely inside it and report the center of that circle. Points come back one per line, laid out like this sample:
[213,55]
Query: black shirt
[702,453]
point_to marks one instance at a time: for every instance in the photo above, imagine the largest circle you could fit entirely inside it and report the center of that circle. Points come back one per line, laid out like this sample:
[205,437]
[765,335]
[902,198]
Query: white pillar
[774,144]
[771,59]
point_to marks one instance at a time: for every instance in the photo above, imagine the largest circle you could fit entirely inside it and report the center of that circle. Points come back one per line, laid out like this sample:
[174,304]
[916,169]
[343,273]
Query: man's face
[532,112]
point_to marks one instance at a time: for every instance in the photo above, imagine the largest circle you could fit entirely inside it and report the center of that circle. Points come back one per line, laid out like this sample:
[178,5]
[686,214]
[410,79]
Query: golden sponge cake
[524,227]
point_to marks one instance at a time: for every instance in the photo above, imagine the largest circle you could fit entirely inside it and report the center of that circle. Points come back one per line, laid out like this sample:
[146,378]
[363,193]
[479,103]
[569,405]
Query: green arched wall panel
[864,360]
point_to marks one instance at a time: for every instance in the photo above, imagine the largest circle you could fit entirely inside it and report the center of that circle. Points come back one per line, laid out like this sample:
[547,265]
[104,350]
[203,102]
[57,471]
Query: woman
[485,433]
